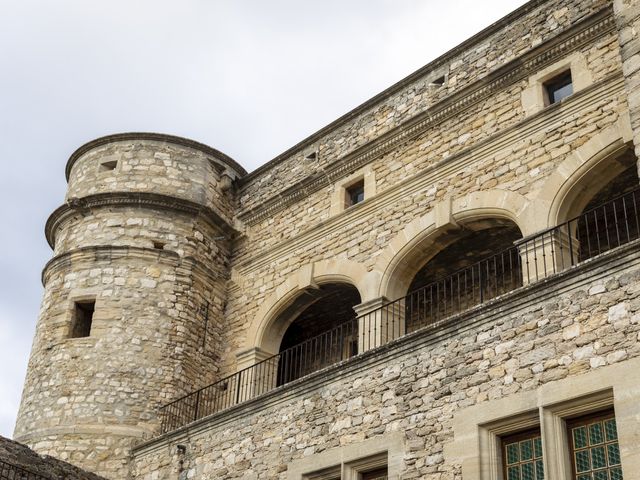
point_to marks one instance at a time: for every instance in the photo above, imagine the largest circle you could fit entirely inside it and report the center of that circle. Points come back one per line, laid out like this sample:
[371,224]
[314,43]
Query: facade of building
[443,283]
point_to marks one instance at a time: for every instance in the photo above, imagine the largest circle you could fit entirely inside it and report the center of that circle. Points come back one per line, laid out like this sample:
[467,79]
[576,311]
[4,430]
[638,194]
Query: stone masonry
[195,270]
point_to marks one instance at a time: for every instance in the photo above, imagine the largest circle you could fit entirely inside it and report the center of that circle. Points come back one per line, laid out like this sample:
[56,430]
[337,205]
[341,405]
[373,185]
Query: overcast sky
[248,77]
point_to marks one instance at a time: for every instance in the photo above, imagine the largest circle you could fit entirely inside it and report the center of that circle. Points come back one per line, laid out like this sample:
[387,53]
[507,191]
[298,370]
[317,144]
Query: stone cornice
[110,253]
[156,137]
[132,199]
[566,42]
[606,88]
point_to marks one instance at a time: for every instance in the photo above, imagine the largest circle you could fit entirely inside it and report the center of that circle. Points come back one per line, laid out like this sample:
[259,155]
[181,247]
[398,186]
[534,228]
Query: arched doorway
[322,330]
[478,263]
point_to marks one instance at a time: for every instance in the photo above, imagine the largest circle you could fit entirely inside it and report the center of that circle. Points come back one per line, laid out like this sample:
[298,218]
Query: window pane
[598,458]
[582,461]
[579,437]
[595,434]
[612,431]
[614,454]
[513,473]
[512,454]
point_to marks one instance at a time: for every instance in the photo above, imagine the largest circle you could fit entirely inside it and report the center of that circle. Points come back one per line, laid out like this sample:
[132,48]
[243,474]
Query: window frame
[554,82]
[351,461]
[531,433]
[587,420]
[534,97]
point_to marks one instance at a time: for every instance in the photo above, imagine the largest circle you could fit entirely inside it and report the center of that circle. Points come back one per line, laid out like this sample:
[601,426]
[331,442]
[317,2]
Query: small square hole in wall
[559,87]
[355,193]
[108,165]
[159,245]
[82,318]
[438,82]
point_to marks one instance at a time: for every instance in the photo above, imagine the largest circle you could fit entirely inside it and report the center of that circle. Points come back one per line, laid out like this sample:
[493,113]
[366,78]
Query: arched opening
[478,263]
[322,330]
[610,216]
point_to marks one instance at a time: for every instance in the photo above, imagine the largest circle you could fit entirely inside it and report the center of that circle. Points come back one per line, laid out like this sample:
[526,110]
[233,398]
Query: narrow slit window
[593,443]
[559,87]
[522,456]
[83,318]
[355,193]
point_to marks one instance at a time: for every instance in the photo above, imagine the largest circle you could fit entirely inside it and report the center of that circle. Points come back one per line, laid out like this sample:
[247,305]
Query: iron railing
[531,259]
[13,472]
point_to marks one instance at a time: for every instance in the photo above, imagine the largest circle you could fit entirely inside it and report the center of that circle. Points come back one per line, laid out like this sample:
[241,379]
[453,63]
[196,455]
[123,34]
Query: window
[355,193]
[377,474]
[556,82]
[82,318]
[559,87]
[378,458]
[522,456]
[107,165]
[593,443]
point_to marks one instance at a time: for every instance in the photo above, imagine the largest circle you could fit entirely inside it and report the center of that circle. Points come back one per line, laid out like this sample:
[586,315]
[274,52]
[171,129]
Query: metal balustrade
[532,259]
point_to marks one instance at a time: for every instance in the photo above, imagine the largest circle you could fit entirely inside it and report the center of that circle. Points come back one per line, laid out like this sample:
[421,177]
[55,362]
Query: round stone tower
[134,295]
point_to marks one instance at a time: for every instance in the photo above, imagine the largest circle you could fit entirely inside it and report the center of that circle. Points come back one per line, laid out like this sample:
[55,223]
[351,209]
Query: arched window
[478,263]
[322,330]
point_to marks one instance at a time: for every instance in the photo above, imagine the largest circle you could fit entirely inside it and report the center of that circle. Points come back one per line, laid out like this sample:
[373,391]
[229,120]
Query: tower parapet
[134,296]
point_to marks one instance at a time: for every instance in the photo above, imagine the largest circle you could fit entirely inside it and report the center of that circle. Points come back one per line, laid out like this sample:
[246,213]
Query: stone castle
[444,283]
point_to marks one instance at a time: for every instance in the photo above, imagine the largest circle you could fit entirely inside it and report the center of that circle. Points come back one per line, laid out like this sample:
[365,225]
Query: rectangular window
[593,442]
[559,87]
[522,456]
[82,318]
[355,193]
[377,474]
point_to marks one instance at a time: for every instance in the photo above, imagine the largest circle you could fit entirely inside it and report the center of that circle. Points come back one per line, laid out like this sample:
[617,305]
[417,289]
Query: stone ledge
[132,199]
[115,252]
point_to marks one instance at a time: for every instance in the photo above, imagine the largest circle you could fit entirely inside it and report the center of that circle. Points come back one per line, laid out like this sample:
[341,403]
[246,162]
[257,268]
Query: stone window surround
[348,461]
[534,96]
[338,197]
[477,429]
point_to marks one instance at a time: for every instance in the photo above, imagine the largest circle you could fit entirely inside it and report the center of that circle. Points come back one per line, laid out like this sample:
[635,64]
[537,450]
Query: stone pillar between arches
[379,322]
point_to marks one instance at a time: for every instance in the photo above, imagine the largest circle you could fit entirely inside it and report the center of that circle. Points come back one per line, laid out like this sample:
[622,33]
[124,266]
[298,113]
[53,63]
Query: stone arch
[268,326]
[590,167]
[427,235]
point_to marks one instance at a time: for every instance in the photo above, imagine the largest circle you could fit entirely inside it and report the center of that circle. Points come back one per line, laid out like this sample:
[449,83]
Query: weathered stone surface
[192,263]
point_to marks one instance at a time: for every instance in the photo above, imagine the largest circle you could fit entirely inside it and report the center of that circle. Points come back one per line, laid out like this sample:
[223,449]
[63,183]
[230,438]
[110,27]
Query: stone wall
[628,19]
[18,460]
[491,147]
[580,322]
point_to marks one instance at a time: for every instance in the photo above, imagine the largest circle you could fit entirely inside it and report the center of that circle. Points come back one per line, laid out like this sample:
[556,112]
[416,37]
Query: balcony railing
[532,259]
